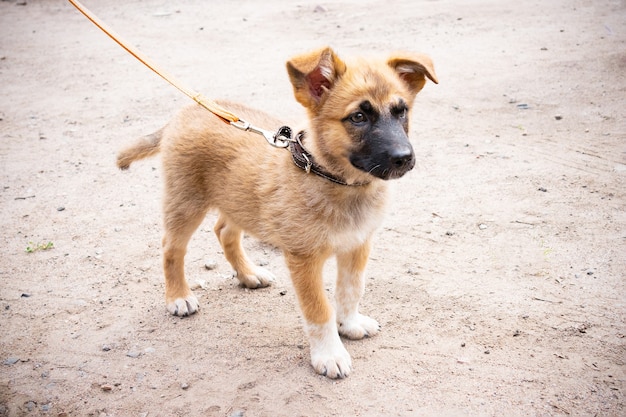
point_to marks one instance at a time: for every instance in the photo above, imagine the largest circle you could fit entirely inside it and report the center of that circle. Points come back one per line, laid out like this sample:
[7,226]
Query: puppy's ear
[413,69]
[313,74]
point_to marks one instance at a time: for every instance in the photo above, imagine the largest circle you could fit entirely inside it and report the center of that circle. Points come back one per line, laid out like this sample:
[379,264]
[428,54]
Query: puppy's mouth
[388,166]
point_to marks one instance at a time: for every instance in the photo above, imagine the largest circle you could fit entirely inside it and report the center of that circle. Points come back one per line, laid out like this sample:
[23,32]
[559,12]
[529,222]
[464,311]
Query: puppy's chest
[347,238]
[352,224]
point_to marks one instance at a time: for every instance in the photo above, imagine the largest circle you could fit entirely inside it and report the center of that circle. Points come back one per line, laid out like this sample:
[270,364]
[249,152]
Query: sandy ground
[498,276]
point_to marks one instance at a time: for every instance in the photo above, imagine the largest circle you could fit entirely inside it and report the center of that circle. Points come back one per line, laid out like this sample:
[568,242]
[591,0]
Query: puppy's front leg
[350,287]
[328,355]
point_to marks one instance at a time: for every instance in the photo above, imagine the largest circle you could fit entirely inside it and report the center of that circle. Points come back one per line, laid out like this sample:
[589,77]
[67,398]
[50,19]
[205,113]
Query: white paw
[260,278]
[183,306]
[328,355]
[358,326]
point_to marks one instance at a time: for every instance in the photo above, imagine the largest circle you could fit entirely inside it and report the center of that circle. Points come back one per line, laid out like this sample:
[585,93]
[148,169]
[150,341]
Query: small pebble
[558,117]
[201,283]
[542,189]
[106,348]
[106,387]
[237,414]
[60,208]
[449,233]
[11,361]
[210,264]
[133,354]
[283,292]
[184,386]
[482,226]
[25,295]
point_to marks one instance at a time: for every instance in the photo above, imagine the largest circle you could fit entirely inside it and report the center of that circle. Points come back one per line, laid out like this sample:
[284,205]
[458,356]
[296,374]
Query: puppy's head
[359,110]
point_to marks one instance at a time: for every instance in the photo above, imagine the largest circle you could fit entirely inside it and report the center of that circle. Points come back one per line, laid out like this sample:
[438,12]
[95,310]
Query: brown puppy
[356,137]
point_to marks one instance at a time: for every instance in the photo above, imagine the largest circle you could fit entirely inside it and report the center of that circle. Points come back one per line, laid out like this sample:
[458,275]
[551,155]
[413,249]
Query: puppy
[324,196]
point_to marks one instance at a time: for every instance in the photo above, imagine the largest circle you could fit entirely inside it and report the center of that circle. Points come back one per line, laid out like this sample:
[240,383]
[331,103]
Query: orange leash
[279,139]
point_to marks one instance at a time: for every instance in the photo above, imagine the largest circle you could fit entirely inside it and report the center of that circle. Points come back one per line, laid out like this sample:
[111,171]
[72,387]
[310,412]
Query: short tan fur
[257,189]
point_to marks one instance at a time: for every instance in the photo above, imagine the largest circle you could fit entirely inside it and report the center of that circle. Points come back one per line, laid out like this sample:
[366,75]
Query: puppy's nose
[402,159]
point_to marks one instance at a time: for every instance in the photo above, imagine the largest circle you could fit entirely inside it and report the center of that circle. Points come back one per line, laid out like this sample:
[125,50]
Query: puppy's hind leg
[181,219]
[250,275]
[350,287]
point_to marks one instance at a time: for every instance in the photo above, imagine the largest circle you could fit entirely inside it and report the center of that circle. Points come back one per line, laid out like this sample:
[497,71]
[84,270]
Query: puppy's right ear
[313,74]
[413,69]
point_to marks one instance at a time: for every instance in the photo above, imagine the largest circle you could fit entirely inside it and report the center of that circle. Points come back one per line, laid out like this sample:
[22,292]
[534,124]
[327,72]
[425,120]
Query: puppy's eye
[357,118]
[400,113]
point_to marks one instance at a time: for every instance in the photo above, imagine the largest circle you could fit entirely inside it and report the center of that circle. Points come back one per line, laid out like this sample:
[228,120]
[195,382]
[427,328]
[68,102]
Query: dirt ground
[498,276]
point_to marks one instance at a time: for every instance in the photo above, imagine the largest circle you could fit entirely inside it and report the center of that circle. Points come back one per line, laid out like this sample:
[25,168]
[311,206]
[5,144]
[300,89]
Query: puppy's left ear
[313,74]
[413,69]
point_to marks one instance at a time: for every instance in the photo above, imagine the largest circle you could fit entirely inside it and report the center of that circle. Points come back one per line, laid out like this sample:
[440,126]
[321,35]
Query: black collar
[304,160]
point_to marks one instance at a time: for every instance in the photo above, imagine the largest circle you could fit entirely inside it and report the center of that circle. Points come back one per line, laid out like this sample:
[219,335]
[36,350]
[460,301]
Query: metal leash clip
[279,139]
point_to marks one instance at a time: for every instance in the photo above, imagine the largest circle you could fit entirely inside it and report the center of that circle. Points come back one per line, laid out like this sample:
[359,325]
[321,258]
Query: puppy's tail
[146,146]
